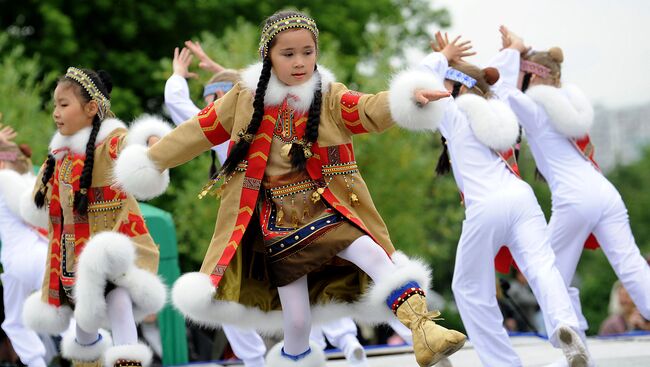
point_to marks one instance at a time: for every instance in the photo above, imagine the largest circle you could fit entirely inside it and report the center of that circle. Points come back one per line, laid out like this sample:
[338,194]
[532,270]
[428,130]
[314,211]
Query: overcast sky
[606,43]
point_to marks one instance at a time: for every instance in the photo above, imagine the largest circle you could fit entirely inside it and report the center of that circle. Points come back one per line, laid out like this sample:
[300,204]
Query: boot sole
[447,352]
[566,337]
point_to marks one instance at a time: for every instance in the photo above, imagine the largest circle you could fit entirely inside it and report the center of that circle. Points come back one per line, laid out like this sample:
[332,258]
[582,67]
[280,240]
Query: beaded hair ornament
[294,21]
[534,68]
[84,80]
[459,76]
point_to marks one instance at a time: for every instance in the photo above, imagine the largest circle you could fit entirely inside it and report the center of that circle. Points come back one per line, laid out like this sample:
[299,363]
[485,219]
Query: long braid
[239,151]
[81,196]
[39,198]
[297,152]
[444,165]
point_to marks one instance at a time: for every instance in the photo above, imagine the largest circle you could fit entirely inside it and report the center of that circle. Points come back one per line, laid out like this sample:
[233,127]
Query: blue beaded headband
[459,76]
[212,88]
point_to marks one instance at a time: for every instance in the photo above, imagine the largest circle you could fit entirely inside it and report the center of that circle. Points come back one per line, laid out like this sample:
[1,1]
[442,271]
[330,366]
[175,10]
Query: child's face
[69,114]
[294,56]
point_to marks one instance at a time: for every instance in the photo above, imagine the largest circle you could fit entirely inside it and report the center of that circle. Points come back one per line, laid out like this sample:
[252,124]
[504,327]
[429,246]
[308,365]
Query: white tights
[120,315]
[364,253]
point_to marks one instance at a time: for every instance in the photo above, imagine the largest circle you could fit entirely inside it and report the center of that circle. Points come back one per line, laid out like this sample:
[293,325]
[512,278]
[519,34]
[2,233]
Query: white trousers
[23,275]
[25,341]
[247,345]
[510,217]
[602,212]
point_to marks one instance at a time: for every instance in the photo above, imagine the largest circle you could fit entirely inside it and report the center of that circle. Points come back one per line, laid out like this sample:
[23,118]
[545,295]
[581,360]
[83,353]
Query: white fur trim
[193,295]
[13,186]
[493,123]
[316,358]
[70,349]
[402,104]
[568,108]
[30,213]
[136,174]
[77,142]
[138,352]
[110,256]
[145,127]
[277,91]
[45,318]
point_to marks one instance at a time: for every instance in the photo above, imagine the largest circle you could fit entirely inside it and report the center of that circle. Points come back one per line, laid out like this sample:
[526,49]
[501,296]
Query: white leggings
[120,315]
[364,253]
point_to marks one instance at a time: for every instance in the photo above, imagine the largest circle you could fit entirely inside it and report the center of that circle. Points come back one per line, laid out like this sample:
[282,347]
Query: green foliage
[21,105]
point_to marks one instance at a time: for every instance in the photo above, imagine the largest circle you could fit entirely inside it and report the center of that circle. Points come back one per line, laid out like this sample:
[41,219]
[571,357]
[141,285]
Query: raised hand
[205,62]
[424,96]
[7,133]
[511,40]
[455,50]
[181,63]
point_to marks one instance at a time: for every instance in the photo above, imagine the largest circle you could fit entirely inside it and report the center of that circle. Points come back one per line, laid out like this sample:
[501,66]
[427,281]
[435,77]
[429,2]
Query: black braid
[298,160]
[518,145]
[81,199]
[213,163]
[39,198]
[444,165]
[525,82]
[239,151]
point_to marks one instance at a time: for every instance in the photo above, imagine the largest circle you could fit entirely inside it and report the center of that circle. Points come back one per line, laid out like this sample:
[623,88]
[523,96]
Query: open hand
[511,40]
[205,62]
[181,63]
[424,96]
[455,50]
[7,133]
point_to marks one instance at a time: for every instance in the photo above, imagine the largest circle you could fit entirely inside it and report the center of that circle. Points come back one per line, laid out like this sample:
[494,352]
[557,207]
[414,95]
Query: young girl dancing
[102,262]
[297,234]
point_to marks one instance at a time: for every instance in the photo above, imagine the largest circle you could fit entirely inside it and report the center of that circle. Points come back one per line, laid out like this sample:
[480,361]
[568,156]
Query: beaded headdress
[459,76]
[84,80]
[293,21]
[534,68]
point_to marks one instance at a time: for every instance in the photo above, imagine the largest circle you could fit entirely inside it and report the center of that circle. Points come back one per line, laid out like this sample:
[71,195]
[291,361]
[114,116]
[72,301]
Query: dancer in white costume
[23,253]
[247,344]
[557,119]
[500,209]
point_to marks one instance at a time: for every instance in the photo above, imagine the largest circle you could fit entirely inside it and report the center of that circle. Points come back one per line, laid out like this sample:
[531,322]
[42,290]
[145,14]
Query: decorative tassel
[315,196]
[280,217]
[354,199]
[294,220]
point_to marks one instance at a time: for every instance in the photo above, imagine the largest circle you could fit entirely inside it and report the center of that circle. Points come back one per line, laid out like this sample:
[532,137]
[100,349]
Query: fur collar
[277,91]
[568,108]
[492,122]
[77,142]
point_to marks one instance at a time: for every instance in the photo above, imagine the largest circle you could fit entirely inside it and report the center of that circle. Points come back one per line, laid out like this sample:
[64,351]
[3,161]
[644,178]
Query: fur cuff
[316,358]
[13,186]
[145,127]
[30,213]
[193,295]
[110,256]
[568,108]
[402,105]
[45,318]
[408,270]
[137,174]
[72,350]
[137,352]
[493,123]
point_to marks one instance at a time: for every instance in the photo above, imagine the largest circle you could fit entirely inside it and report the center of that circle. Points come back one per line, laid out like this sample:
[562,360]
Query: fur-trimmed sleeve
[28,210]
[359,113]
